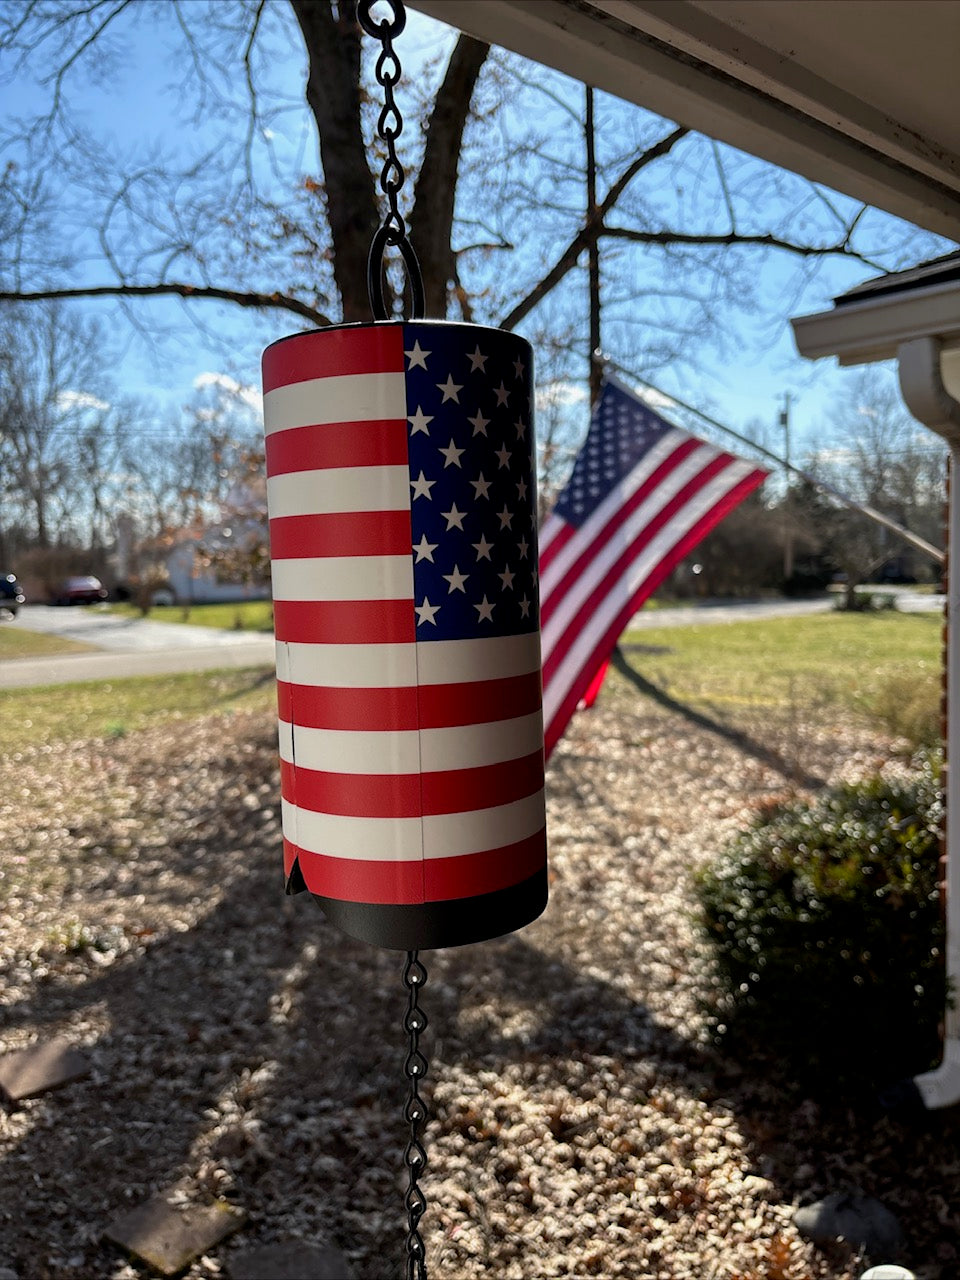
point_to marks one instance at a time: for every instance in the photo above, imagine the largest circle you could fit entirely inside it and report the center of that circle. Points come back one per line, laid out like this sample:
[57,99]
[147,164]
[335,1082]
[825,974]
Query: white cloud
[554,395]
[80,400]
[223,382]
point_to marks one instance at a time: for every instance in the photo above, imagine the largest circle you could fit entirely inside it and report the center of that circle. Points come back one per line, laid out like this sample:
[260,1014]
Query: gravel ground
[581,1122]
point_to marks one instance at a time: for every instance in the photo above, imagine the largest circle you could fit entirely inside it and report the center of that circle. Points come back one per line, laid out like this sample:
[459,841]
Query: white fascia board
[864,332]
[601,49]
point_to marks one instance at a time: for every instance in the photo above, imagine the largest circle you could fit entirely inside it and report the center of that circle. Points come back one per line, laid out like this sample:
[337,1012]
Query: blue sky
[743,382]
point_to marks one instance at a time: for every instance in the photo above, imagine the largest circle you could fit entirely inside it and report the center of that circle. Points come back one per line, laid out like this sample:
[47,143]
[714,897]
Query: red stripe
[432,880]
[606,642]
[318,447]
[344,621]
[326,707]
[437,706]
[328,353]
[583,566]
[412,795]
[556,543]
[575,571]
[341,533]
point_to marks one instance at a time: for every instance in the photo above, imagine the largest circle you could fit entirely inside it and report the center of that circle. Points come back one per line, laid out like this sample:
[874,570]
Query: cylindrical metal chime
[404,545]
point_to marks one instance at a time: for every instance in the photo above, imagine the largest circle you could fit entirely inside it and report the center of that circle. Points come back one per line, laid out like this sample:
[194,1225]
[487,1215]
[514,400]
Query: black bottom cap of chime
[454,923]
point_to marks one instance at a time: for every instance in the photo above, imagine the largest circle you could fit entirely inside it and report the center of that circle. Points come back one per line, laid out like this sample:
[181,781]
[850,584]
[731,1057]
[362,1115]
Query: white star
[427,612]
[480,486]
[419,422]
[479,424]
[417,356]
[421,487]
[523,548]
[507,578]
[519,366]
[456,579]
[502,394]
[450,389]
[521,489]
[477,361]
[521,428]
[424,549]
[482,548]
[453,517]
[452,455]
[503,453]
[525,607]
[505,517]
[484,611]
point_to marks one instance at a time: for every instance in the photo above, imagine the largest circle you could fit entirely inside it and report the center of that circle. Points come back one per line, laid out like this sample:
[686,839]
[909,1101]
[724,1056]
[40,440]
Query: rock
[168,1237]
[859,1220]
[47,1065]
[7,1274]
[888,1271]
[290,1260]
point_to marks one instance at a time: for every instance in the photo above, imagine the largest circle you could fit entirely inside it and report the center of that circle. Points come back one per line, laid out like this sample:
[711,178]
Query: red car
[82,590]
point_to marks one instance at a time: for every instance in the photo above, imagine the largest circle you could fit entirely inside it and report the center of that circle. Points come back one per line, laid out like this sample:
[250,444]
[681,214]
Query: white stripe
[411,839]
[409,750]
[343,578]
[634,575]
[395,666]
[451,835]
[619,541]
[366,839]
[351,666]
[621,494]
[352,750]
[304,493]
[459,661]
[350,398]
[550,528]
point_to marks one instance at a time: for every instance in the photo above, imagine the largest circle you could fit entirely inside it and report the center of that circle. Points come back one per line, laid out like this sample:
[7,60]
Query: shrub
[828,937]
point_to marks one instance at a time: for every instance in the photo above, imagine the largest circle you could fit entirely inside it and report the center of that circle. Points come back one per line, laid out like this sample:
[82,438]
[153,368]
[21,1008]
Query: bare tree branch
[590,229]
[275,301]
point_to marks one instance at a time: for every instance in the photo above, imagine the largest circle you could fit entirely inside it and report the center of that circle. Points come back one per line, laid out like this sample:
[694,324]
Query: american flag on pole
[642,494]
[404,548]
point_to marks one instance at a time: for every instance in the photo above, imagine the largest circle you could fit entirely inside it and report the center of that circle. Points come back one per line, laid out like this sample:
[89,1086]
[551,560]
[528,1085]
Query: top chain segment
[393,232]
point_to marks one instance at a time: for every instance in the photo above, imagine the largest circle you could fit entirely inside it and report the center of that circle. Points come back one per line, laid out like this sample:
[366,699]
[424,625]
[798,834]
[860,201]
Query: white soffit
[860,95]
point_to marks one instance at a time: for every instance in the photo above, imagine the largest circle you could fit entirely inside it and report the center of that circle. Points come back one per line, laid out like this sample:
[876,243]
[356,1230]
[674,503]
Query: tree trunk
[332,39]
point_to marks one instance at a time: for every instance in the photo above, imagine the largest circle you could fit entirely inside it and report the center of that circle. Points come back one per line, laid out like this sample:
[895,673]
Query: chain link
[393,231]
[415,1114]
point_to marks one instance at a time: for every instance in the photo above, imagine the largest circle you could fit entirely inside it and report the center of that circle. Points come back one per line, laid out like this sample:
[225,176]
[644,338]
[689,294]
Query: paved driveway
[134,647]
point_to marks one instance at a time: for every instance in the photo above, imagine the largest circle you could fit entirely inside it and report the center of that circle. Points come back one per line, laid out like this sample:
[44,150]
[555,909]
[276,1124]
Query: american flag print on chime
[642,494]
[405,582]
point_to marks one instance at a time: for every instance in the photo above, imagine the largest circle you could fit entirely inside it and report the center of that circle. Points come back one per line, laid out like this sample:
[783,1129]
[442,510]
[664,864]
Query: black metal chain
[393,232]
[415,1113]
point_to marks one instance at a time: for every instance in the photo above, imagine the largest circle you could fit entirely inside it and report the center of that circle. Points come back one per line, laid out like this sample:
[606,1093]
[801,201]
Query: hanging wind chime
[401,494]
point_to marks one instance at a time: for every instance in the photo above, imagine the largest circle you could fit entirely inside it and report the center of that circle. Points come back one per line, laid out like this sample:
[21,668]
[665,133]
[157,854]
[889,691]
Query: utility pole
[596,370]
[787,529]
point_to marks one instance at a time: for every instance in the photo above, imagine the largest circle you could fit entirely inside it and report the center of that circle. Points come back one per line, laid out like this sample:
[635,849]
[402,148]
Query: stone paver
[291,1260]
[169,1237]
[50,1064]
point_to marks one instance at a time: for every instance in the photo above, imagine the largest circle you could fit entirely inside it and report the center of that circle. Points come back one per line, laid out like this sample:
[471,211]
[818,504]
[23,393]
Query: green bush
[826,926]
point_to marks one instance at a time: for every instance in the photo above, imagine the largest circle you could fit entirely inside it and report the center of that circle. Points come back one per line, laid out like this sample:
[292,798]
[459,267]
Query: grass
[15,642]
[114,708]
[843,660]
[245,615]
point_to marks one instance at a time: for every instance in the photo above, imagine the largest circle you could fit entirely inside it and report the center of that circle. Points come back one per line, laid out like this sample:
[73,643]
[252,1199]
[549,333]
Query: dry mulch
[582,1123]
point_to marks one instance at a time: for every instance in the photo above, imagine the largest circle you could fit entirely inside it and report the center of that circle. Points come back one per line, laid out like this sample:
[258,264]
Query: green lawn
[824,659]
[112,708]
[15,642]
[246,615]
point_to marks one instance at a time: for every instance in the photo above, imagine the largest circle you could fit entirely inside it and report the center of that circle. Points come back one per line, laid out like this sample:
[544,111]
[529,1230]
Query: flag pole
[871,513]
